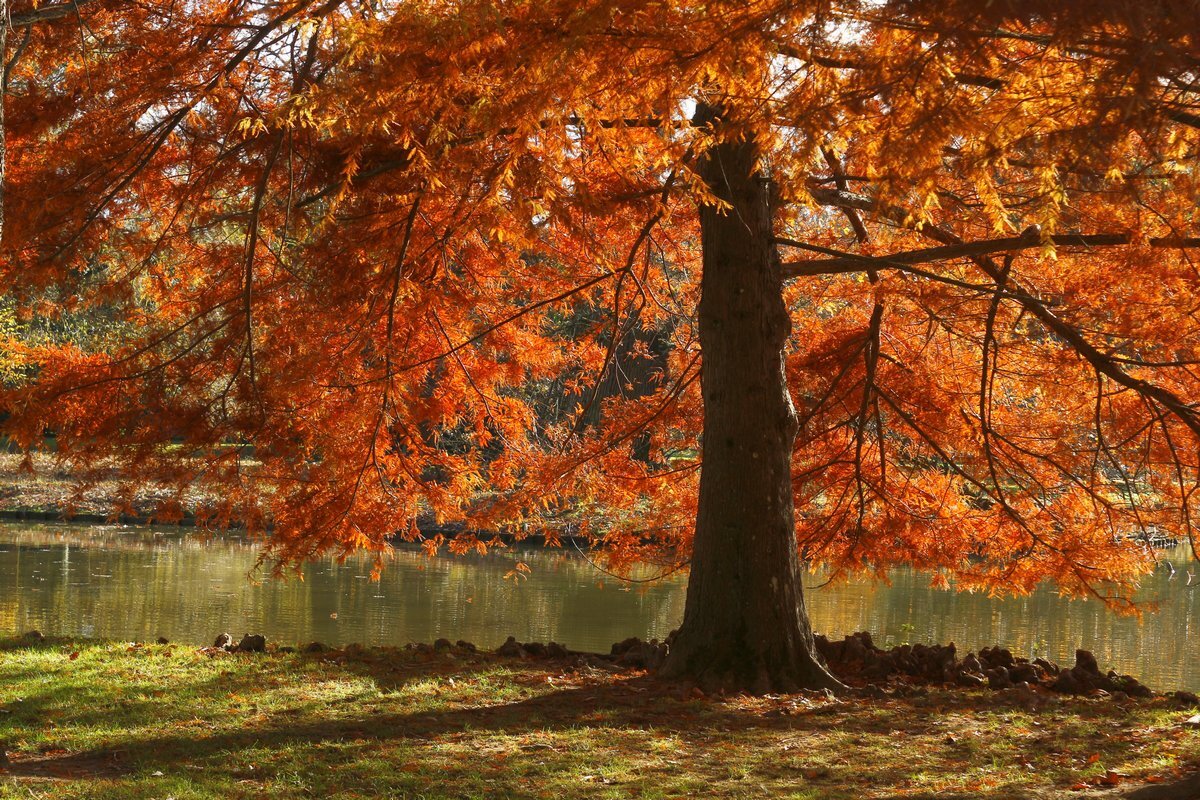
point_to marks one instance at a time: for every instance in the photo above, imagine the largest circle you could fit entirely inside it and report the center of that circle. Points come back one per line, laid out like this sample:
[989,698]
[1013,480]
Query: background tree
[348,233]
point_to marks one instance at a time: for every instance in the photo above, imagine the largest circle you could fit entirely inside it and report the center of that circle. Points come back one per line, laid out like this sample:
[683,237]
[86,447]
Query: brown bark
[745,625]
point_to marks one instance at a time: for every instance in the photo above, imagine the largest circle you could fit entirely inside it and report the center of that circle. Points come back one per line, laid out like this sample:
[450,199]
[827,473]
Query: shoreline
[42,496]
[188,522]
[855,660]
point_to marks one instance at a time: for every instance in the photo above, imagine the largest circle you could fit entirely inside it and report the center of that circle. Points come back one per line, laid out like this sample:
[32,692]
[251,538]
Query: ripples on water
[137,584]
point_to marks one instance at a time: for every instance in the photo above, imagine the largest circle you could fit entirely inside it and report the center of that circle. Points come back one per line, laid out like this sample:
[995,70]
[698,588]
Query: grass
[110,720]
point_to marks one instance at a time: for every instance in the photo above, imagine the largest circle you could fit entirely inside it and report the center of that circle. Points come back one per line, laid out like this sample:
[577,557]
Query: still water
[138,584]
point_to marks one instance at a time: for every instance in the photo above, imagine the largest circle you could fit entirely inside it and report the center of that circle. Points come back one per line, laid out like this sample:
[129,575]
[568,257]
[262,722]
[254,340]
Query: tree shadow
[551,733]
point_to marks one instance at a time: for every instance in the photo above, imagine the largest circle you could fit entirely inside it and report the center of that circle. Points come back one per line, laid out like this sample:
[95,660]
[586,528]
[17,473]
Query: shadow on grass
[544,730]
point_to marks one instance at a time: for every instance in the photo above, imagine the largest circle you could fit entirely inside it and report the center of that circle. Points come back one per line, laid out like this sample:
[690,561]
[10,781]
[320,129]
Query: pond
[138,584]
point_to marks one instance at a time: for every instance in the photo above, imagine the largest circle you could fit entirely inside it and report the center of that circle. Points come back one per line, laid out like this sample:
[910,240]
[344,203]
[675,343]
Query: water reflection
[125,583]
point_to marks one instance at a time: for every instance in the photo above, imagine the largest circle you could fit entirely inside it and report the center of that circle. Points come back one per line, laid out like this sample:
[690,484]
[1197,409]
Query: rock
[252,643]
[821,644]
[900,659]
[224,641]
[1086,662]
[462,644]
[1085,677]
[971,663]
[1048,667]
[1132,687]
[873,692]
[623,646]
[1024,673]
[163,640]
[940,662]
[556,650]
[1139,690]
[878,666]
[594,661]
[997,657]
[644,655]
[1192,722]
[998,678]
[1067,683]
[857,647]
[442,645]
[535,649]
[969,680]
[511,649]
[314,647]
[1185,698]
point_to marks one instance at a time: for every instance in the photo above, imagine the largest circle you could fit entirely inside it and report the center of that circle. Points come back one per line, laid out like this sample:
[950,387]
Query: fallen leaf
[1112,778]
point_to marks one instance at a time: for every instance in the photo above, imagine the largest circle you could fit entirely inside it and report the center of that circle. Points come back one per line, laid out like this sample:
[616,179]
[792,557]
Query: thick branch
[46,13]
[1026,241]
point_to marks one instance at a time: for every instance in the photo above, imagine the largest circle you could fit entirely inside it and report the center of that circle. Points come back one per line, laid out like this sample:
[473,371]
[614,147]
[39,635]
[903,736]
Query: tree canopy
[444,258]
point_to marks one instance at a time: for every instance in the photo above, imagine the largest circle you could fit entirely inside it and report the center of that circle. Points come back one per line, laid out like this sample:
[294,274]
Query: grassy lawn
[111,720]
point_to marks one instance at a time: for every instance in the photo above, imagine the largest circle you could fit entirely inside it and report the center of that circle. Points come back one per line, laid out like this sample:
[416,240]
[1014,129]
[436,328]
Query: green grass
[106,720]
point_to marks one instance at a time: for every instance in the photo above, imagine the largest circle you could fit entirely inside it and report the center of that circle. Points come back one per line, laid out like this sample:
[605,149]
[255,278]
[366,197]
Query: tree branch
[46,13]
[966,78]
[1028,240]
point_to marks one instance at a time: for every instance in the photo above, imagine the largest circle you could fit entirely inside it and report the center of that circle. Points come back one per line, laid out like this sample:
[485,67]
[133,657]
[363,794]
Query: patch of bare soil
[61,765]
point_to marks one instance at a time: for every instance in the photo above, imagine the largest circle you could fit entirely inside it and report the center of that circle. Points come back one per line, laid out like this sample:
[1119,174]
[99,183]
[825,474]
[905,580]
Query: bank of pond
[139,584]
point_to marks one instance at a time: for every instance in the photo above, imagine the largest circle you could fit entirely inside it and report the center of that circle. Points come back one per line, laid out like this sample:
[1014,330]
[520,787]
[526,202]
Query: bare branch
[46,13]
[1026,241]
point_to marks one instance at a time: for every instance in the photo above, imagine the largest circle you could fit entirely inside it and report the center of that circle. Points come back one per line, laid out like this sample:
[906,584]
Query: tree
[352,233]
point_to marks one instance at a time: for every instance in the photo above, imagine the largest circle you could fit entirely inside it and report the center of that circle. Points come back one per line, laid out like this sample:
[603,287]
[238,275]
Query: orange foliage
[394,246]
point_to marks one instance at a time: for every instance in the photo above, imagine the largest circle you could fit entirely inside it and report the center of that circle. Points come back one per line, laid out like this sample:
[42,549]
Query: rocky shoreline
[855,660]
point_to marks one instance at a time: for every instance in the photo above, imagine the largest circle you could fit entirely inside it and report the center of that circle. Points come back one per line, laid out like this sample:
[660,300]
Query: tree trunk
[745,626]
